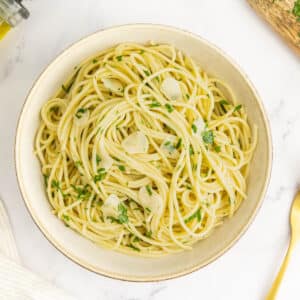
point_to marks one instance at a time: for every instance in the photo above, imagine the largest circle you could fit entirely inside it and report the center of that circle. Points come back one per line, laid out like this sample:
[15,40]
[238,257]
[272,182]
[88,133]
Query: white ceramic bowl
[83,251]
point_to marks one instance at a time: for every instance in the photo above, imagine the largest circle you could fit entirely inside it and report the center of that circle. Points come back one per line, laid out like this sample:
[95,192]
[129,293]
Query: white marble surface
[246,271]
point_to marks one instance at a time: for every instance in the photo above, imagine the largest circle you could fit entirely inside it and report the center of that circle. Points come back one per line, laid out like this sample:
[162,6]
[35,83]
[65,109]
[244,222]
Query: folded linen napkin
[16,282]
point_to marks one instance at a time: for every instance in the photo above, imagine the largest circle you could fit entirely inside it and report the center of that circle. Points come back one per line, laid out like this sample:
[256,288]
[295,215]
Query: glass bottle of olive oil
[12,12]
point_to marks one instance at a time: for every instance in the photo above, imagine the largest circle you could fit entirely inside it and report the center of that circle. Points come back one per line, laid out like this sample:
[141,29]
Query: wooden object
[279,14]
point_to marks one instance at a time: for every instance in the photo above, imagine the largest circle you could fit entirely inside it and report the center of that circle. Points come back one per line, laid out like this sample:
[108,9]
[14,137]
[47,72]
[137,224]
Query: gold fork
[295,237]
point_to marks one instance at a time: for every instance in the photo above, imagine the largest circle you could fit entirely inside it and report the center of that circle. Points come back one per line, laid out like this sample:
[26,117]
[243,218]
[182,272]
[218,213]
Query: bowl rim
[187,270]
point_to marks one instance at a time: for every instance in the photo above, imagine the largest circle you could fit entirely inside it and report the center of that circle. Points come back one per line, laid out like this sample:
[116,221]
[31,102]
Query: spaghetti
[142,151]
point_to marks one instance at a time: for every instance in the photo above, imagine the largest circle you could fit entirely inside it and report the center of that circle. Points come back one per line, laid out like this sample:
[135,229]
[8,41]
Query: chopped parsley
[66,218]
[196,215]
[169,107]
[123,217]
[155,104]
[149,190]
[142,51]
[208,137]
[82,192]
[78,163]
[67,89]
[121,168]
[148,209]
[95,61]
[133,247]
[194,128]
[80,112]
[238,107]
[147,73]
[187,96]
[218,148]
[136,239]
[224,102]
[148,234]
[188,186]
[98,159]
[119,58]
[169,146]
[100,175]
[178,143]
[296,10]
[55,184]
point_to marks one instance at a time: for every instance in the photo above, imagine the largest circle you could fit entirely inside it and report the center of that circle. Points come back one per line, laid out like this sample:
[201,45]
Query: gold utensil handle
[276,284]
[278,13]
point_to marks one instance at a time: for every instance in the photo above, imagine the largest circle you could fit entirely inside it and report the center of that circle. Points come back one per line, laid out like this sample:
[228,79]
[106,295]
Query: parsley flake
[194,128]
[196,215]
[149,190]
[178,143]
[218,149]
[169,107]
[208,137]
[80,112]
[238,107]
[155,104]
[121,168]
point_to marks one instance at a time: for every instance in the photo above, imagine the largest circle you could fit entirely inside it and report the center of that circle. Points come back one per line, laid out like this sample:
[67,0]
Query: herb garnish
[133,247]
[218,148]
[148,234]
[149,190]
[78,163]
[95,61]
[98,159]
[223,103]
[178,143]
[100,175]
[82,192]
[169,107]
[155,104]
[121,168]
[195,215]
[66,218]
[208,137]
[55,184]
[147,73]
[123,218]
[238,107]
[80,112]
[119,58]
[194,128]
[136,239]
[188,186]
[296,10]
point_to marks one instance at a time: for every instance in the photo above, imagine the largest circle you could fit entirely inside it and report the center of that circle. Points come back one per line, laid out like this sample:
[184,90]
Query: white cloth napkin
[16,282]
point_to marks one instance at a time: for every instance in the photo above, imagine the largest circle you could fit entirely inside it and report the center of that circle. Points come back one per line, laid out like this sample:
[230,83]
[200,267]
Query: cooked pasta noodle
[142,151]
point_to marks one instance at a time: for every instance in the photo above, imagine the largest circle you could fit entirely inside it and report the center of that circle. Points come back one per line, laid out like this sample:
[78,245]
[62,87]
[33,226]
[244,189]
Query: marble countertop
[246,271]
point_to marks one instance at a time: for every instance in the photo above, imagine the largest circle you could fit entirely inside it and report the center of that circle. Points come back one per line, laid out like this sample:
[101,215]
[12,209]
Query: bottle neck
[12,12]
